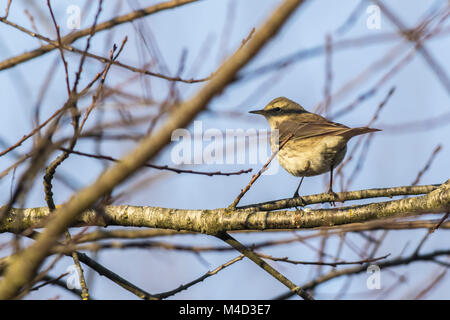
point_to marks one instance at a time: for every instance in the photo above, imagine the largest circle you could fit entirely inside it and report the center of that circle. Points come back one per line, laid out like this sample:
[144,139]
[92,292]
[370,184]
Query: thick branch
[342,196]
[222,219]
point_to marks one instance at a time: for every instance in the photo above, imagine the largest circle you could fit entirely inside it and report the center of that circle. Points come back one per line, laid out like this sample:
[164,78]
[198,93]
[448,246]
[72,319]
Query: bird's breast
[312,156]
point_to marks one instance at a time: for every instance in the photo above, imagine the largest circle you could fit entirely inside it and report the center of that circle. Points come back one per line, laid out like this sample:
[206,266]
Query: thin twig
[322,263]
[61,51]
[165,167]
[7,9]
[432,285]
[198,280]
[256,176]
[430,231]
[427,165]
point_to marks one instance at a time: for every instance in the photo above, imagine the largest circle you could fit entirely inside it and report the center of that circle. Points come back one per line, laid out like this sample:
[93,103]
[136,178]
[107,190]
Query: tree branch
[212,221]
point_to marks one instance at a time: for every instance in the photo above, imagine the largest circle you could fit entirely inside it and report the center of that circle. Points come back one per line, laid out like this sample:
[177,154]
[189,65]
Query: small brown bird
[315,145]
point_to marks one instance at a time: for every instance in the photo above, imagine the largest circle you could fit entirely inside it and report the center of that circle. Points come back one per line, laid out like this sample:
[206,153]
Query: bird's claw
[335,197]
[302,201]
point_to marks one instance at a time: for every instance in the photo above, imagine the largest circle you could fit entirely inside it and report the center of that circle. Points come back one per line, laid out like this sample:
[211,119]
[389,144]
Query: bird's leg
[330,188]
[296,195]
[298,188]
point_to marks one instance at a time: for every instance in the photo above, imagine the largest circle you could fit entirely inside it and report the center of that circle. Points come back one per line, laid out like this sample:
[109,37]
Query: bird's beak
[257,112]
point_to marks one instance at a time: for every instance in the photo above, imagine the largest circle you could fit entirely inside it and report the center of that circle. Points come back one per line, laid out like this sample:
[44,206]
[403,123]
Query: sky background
[210,31]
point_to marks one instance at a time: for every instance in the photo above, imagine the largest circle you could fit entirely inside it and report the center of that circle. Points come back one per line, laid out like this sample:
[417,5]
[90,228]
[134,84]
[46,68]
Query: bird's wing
[310,126]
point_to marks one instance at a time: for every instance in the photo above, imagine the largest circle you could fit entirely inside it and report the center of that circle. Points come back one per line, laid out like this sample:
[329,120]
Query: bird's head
[280,109]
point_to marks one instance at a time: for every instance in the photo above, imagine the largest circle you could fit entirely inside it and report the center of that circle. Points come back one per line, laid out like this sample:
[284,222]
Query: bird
[315,145]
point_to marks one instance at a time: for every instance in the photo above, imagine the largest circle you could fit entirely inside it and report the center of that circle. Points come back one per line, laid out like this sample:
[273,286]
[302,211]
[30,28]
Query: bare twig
[322,263]
[430,231]
[165,167]
[427,165]
[61,51]
[431,285]
[8,5]
[200,279]
[256,176]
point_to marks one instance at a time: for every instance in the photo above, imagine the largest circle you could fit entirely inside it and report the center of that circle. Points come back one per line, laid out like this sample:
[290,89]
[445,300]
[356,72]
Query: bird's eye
[277,109]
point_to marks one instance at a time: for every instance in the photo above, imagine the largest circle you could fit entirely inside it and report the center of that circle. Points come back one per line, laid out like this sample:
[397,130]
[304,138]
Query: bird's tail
[357,131]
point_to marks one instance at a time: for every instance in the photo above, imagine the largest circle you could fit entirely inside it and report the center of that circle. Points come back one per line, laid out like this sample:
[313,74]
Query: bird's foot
[335,197]
[300,199]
